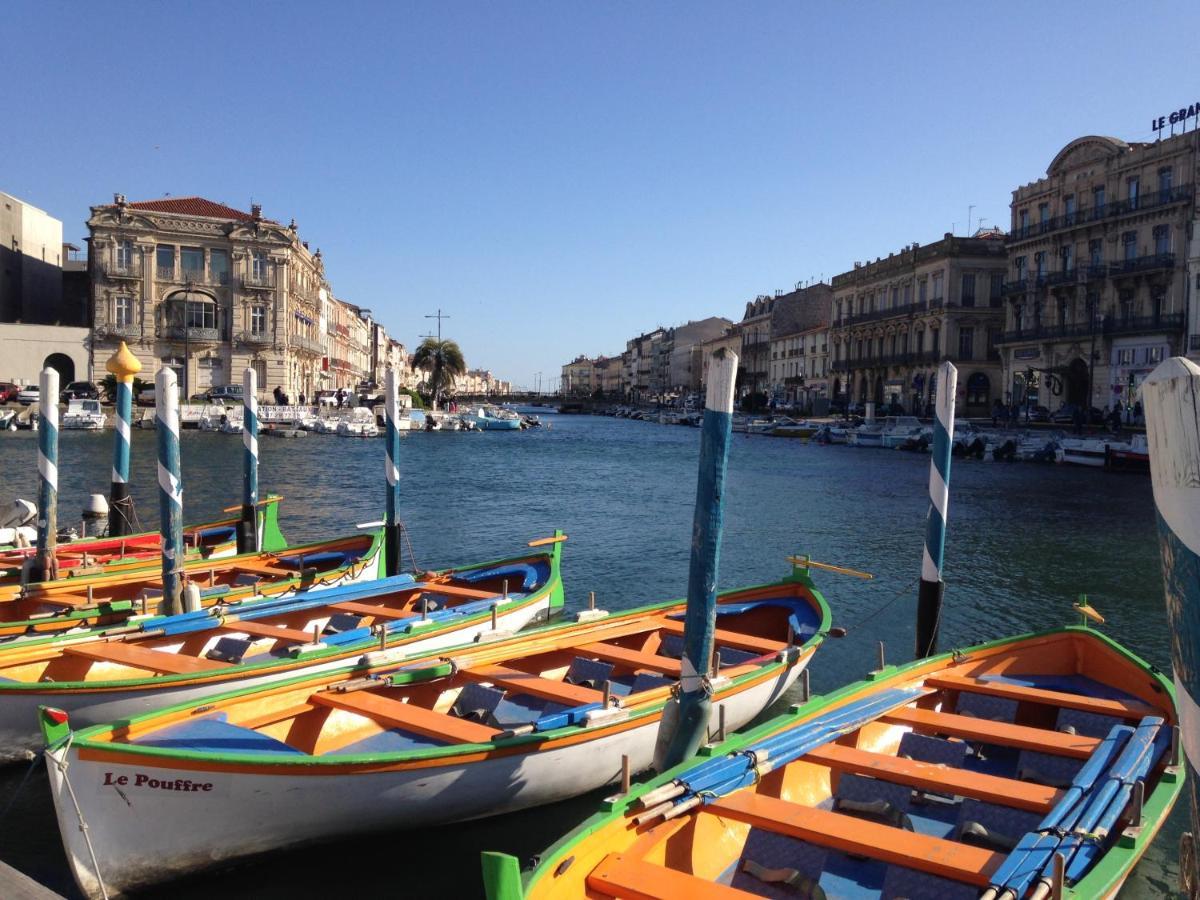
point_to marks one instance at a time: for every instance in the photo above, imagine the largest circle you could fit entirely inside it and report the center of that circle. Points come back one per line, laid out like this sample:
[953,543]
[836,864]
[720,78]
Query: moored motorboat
[868,434]
[494,418]
[360,423]
[142,551]
[1134,456]
[112,674]
[73,605]
[952,775]
[84,415]
[474,731]
[898,429]
[1092,452]
[794,428]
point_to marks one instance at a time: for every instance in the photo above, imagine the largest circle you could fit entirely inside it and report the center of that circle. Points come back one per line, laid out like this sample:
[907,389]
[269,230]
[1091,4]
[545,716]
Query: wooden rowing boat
[948,777]
[477,731]
[105,600]
[91,556]
[112,674]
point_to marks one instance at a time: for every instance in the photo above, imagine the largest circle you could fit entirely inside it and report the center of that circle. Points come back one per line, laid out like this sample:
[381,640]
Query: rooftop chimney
[256,210]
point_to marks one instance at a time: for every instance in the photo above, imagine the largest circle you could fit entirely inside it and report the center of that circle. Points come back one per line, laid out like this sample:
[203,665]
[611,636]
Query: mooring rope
[83,826]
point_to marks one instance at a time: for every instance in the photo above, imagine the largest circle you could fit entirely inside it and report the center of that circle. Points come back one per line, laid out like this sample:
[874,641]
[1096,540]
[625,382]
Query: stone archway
[1076,379]
[63,365]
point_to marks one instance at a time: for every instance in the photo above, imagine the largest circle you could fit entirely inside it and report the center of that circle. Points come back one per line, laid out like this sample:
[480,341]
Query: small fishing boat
[360,423]
[898,429]
[948,777]
[84,415]
[77,604]
[794,428]
[1134,456]
[111,674]
[868,434]
[142,551]
[474,731]
[1092,452]
[760,425]
[494,418]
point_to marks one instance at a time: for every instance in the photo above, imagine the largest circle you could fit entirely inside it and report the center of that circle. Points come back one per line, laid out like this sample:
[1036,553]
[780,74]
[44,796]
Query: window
[995,289]
[907,293]
[1019,263]
[895,296]
[1039,262]
[123,311]
[258,319]
[934,340]
[1154,354]
[1162,239]
[1023,226]
[1164,183]
[1069,209]
[968,289]
[966,343]
[192,263]
[1129,245]
[937,285]
[1068,258]
[1096,252]
[200,314]
[919,340]
[1044,216]
[1131,187]
[218,265]
[1126,302]
[979,389]
[1098,201]
[1064,312]
[922,290]
[259,266]
[164,259]
[858,354]
[124,255]
[993,334]
[1125,357]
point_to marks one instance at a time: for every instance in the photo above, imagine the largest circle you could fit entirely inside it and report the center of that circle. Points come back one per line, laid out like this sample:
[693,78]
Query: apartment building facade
[798,369]
[895,319]
[1098,283]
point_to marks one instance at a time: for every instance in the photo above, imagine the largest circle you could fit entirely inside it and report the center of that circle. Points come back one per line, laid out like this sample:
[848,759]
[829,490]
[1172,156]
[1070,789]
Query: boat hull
[134,832]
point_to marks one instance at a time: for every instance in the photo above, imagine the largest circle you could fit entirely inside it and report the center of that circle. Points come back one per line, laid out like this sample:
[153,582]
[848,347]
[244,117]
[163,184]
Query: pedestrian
[1137,413]
[302,399]
[997,410]
[278,394]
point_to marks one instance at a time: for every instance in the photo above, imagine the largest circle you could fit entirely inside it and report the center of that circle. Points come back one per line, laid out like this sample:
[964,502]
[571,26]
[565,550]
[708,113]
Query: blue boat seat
[982,706]
[340,622]
[213,734]
[901,883]
[521,709]
[671,646]
[1088,724]
[775,865]
[394,740]
[477,703]
[924,748]
[588,673]
[1047,768]
[873,800]
[645,682]
[326,559]
[526,576]
[218,534]
[991,826]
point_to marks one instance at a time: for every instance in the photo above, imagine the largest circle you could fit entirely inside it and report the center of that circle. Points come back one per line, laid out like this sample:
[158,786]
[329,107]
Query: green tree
[443,360]
[109,387]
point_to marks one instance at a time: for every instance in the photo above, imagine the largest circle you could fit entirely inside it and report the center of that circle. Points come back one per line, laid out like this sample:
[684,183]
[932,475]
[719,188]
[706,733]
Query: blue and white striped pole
[123,365]
[45,565]
[170,490]
[1171,397]
[247,531]
[392,519]
[685,720]
[929,597]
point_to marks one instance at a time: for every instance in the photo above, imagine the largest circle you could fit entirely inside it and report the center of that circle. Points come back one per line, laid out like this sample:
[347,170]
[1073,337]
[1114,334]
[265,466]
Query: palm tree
[444,362]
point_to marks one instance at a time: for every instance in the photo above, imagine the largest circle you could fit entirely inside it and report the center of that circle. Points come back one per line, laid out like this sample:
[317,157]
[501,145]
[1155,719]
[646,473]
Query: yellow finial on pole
[123,364]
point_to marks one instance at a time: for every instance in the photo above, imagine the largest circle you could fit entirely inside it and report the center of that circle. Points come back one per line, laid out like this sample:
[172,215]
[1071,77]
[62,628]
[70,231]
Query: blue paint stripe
[941,450]
[121,442]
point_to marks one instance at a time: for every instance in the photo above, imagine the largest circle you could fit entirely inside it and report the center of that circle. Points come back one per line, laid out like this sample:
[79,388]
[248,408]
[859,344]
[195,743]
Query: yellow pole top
[123,364]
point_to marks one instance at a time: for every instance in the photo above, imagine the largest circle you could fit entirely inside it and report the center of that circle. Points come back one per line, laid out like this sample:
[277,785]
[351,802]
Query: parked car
[226,392]
[8,392]
[1065,414]
[79,390]
[29,394]
[1039,414]
[145,397]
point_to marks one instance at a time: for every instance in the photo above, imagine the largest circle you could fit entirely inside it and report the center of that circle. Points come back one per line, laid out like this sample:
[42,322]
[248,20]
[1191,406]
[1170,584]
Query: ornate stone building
[895,319]
[208,290]
[799,364]
[1097,284]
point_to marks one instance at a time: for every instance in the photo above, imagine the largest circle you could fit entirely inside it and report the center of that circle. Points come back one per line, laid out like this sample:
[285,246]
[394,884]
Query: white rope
[83,826]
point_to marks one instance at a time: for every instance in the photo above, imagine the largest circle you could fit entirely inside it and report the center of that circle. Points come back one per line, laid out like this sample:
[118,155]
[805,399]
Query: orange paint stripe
[621,876]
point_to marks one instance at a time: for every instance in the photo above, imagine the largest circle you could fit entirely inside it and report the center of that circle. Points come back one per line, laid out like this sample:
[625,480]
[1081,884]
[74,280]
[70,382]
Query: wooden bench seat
[937,856]
[143,658]
[1127,709]
[1021,736]
[928,776]
[450,590]
[527,683]
[394,714]
[369,609]
[624,875]
[734,639]
[263,629]
[635,659]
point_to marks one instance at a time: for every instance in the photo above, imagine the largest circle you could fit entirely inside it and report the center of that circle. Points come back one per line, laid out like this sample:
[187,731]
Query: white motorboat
[760,425]
[898,429]
[1089,451]
[146,419]
[232,423]
[8,420]
[360,423]
[869,434]
[84,415]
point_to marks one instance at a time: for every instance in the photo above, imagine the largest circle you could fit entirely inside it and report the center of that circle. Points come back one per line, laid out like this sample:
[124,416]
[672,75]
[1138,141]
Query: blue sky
[558,177]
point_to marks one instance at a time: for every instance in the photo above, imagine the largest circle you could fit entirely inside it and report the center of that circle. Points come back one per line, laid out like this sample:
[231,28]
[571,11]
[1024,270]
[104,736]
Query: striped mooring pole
[170,489]
[391,548]
[1171,396]
[247,529]
[123,365]
[45,564]
[685,719]
[929,595]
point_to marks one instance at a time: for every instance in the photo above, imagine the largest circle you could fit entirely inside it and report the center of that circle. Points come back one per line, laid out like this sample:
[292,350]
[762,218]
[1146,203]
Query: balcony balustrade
[306,344]
[1139,264]
[1108,326]
[1087,215]
[256,338]
[259,280]
[194,334]
[115,332]
[122,270]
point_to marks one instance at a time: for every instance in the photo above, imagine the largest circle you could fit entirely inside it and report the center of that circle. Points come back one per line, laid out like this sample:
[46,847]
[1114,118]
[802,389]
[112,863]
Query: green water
[1023,541]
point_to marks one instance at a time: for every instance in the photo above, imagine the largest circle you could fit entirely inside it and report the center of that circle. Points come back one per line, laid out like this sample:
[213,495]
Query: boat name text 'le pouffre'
[143,780]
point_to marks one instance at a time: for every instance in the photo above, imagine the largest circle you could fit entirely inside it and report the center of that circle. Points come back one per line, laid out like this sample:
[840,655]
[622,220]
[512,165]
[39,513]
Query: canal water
[1023,541]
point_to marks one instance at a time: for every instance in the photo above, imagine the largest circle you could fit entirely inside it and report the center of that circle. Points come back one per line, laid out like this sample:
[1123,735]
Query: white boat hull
[136,837]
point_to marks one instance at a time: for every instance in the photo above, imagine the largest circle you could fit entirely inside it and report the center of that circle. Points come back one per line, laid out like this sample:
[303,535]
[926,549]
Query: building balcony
[306,345]
[1109,325]
[1141,324]
[193,334]
[256,338]
[175,275]
[118,332]
[258,281]
[1088,215]
[875,315]
[1141,264]
[119,270]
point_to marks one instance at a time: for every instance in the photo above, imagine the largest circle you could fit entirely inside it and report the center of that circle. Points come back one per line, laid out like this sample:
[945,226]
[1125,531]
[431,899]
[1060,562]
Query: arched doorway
[1077,382]
[63,365]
